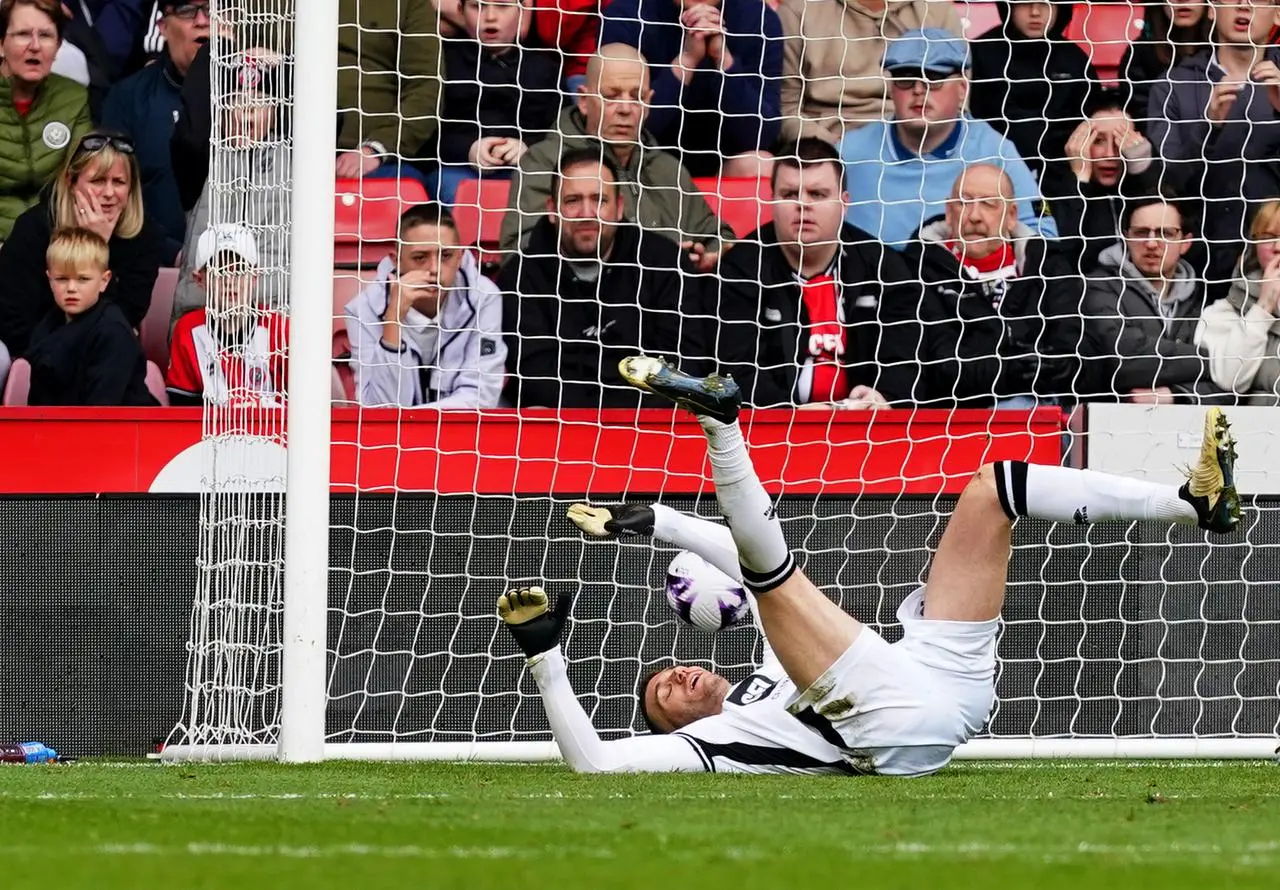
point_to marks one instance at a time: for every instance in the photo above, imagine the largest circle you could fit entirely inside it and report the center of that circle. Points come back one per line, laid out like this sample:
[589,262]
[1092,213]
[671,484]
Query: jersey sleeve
[581,745]
[183,376]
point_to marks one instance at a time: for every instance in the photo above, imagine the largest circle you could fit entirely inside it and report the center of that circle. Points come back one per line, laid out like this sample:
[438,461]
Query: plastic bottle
[27,752]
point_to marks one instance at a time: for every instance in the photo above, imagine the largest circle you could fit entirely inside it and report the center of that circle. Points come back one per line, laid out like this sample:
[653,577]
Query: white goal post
[356,627]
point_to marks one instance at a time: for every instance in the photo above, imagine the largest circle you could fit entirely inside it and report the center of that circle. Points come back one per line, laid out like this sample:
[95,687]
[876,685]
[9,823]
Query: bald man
[657,192]
[1001,307]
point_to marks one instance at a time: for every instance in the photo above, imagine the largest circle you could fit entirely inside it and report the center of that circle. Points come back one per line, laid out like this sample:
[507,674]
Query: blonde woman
[98,189]
[1241,332]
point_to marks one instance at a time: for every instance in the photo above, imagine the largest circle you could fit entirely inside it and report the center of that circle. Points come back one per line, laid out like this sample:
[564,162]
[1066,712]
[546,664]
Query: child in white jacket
[1241,332]
[428,331]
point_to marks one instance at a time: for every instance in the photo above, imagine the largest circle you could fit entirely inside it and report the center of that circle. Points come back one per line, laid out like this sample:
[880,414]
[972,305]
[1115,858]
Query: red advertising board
[100,451]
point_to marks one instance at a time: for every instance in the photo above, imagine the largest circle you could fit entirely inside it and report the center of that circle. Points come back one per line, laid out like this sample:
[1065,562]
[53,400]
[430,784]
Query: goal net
[1119,640]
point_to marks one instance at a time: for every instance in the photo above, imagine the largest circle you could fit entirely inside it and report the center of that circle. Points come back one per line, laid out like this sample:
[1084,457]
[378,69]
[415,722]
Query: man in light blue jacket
[428,331]
[899,173]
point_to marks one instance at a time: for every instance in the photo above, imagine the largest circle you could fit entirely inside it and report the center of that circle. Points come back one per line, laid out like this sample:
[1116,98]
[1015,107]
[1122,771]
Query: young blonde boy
[84,352]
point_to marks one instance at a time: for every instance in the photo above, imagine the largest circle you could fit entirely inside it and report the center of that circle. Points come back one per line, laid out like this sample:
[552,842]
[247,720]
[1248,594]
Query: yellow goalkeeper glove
[535,626]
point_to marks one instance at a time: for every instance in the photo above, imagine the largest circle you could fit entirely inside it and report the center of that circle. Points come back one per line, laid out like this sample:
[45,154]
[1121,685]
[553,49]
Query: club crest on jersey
[751,690]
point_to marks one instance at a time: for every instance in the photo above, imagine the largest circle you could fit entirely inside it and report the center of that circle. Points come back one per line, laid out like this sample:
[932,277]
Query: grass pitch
[365,826]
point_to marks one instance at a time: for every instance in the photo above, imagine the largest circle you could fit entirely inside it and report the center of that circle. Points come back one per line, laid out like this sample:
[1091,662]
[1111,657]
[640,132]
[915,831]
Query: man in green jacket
[388,83]
[657,192]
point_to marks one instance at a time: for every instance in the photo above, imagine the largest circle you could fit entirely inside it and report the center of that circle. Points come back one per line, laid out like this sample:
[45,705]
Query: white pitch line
[1257,854]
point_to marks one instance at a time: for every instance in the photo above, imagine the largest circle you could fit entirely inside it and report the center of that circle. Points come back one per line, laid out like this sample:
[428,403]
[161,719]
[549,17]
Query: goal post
[359,625]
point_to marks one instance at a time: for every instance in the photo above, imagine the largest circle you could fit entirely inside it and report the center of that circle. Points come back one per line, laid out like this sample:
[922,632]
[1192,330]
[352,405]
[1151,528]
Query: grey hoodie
[1242,338]
[455,360]
[1149,341]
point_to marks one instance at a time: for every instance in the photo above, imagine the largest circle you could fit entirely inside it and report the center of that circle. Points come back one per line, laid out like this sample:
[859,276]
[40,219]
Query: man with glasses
[899,173]
[146,105]
[1143,306]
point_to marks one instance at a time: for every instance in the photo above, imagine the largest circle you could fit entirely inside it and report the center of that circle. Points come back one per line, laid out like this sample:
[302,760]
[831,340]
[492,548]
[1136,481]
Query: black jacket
[1033,91]
[192,131]
[565,336]
[1141,67]
[94,359]
[763,318]
[515,95]
[25,296]
[989,340]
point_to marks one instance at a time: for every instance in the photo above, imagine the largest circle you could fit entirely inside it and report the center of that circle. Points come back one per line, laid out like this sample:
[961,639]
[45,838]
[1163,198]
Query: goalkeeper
[832,695]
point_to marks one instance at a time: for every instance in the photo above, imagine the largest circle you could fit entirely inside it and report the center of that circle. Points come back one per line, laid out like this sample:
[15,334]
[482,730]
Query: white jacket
[455,360]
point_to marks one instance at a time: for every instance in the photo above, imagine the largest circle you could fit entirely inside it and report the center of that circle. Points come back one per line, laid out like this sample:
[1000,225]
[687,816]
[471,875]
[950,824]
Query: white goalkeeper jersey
[753,734]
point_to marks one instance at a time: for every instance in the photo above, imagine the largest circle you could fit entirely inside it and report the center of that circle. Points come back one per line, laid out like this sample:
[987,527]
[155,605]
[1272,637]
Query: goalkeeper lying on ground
[832,696]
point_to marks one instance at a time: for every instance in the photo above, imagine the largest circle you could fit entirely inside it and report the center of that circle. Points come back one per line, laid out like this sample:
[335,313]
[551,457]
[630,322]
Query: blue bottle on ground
[27,752]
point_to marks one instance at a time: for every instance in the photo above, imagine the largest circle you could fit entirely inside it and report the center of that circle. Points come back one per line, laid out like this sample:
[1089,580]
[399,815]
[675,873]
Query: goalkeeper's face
[679,695]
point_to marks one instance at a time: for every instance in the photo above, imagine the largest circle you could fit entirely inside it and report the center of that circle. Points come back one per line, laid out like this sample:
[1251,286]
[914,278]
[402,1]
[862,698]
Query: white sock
[747,508]
[1062,494]
[710,540]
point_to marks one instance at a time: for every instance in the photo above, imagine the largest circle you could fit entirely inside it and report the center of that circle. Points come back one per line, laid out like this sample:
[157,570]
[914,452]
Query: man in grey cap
[899,173]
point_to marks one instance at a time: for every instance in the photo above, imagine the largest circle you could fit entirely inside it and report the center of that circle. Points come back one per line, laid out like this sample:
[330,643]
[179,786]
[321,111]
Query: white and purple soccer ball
[704,596]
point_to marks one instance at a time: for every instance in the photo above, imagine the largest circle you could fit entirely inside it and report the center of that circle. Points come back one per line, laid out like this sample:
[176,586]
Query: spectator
[1172,32]
[98,189]
[657,193]
[97,45]
[832,81]
[1002,305]
[900,172]
[255,168]
[146,105]
[501,95]
[1108,160]
[42,115]
[83,351]
[569,26]
[428,331]
[815,312]
[1029,81]
[234,351]
[1143,306]
[1241,332]
[1215,124]
[388,86]
[715,69]
[591,290]
[117,26]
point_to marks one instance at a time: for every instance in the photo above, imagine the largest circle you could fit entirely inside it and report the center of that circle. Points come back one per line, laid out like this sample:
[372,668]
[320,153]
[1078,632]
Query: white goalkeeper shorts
[903,708]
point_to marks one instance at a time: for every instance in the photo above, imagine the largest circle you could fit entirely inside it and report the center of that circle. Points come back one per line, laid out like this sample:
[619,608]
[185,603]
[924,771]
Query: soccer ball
[704,596]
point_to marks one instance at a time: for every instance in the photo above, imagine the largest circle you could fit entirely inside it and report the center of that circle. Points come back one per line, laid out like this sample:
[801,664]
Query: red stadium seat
[366,217]
[154,331]
[18,383]
[743,203]
[1104,31]
[479,209]
[977,18]
[346,284]
[155,384]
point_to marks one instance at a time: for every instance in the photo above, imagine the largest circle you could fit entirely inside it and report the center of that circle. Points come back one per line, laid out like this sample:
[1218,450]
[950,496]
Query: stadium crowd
[983,220]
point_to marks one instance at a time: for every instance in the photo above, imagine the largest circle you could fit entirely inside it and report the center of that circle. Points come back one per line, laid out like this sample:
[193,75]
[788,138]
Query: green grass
[365,826]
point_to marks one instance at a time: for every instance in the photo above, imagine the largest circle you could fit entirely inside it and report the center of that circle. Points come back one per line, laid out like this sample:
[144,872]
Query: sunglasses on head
[95,142]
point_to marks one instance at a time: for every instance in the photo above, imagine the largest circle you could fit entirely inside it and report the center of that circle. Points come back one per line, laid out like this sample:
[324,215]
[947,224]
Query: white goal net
[1139,639]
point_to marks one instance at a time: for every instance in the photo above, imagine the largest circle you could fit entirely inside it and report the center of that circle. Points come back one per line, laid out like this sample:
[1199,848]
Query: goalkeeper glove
[624,520]
[526,614]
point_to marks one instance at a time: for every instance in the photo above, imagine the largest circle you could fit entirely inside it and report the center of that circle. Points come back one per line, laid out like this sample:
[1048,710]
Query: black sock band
[763,582]
[1011,486]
